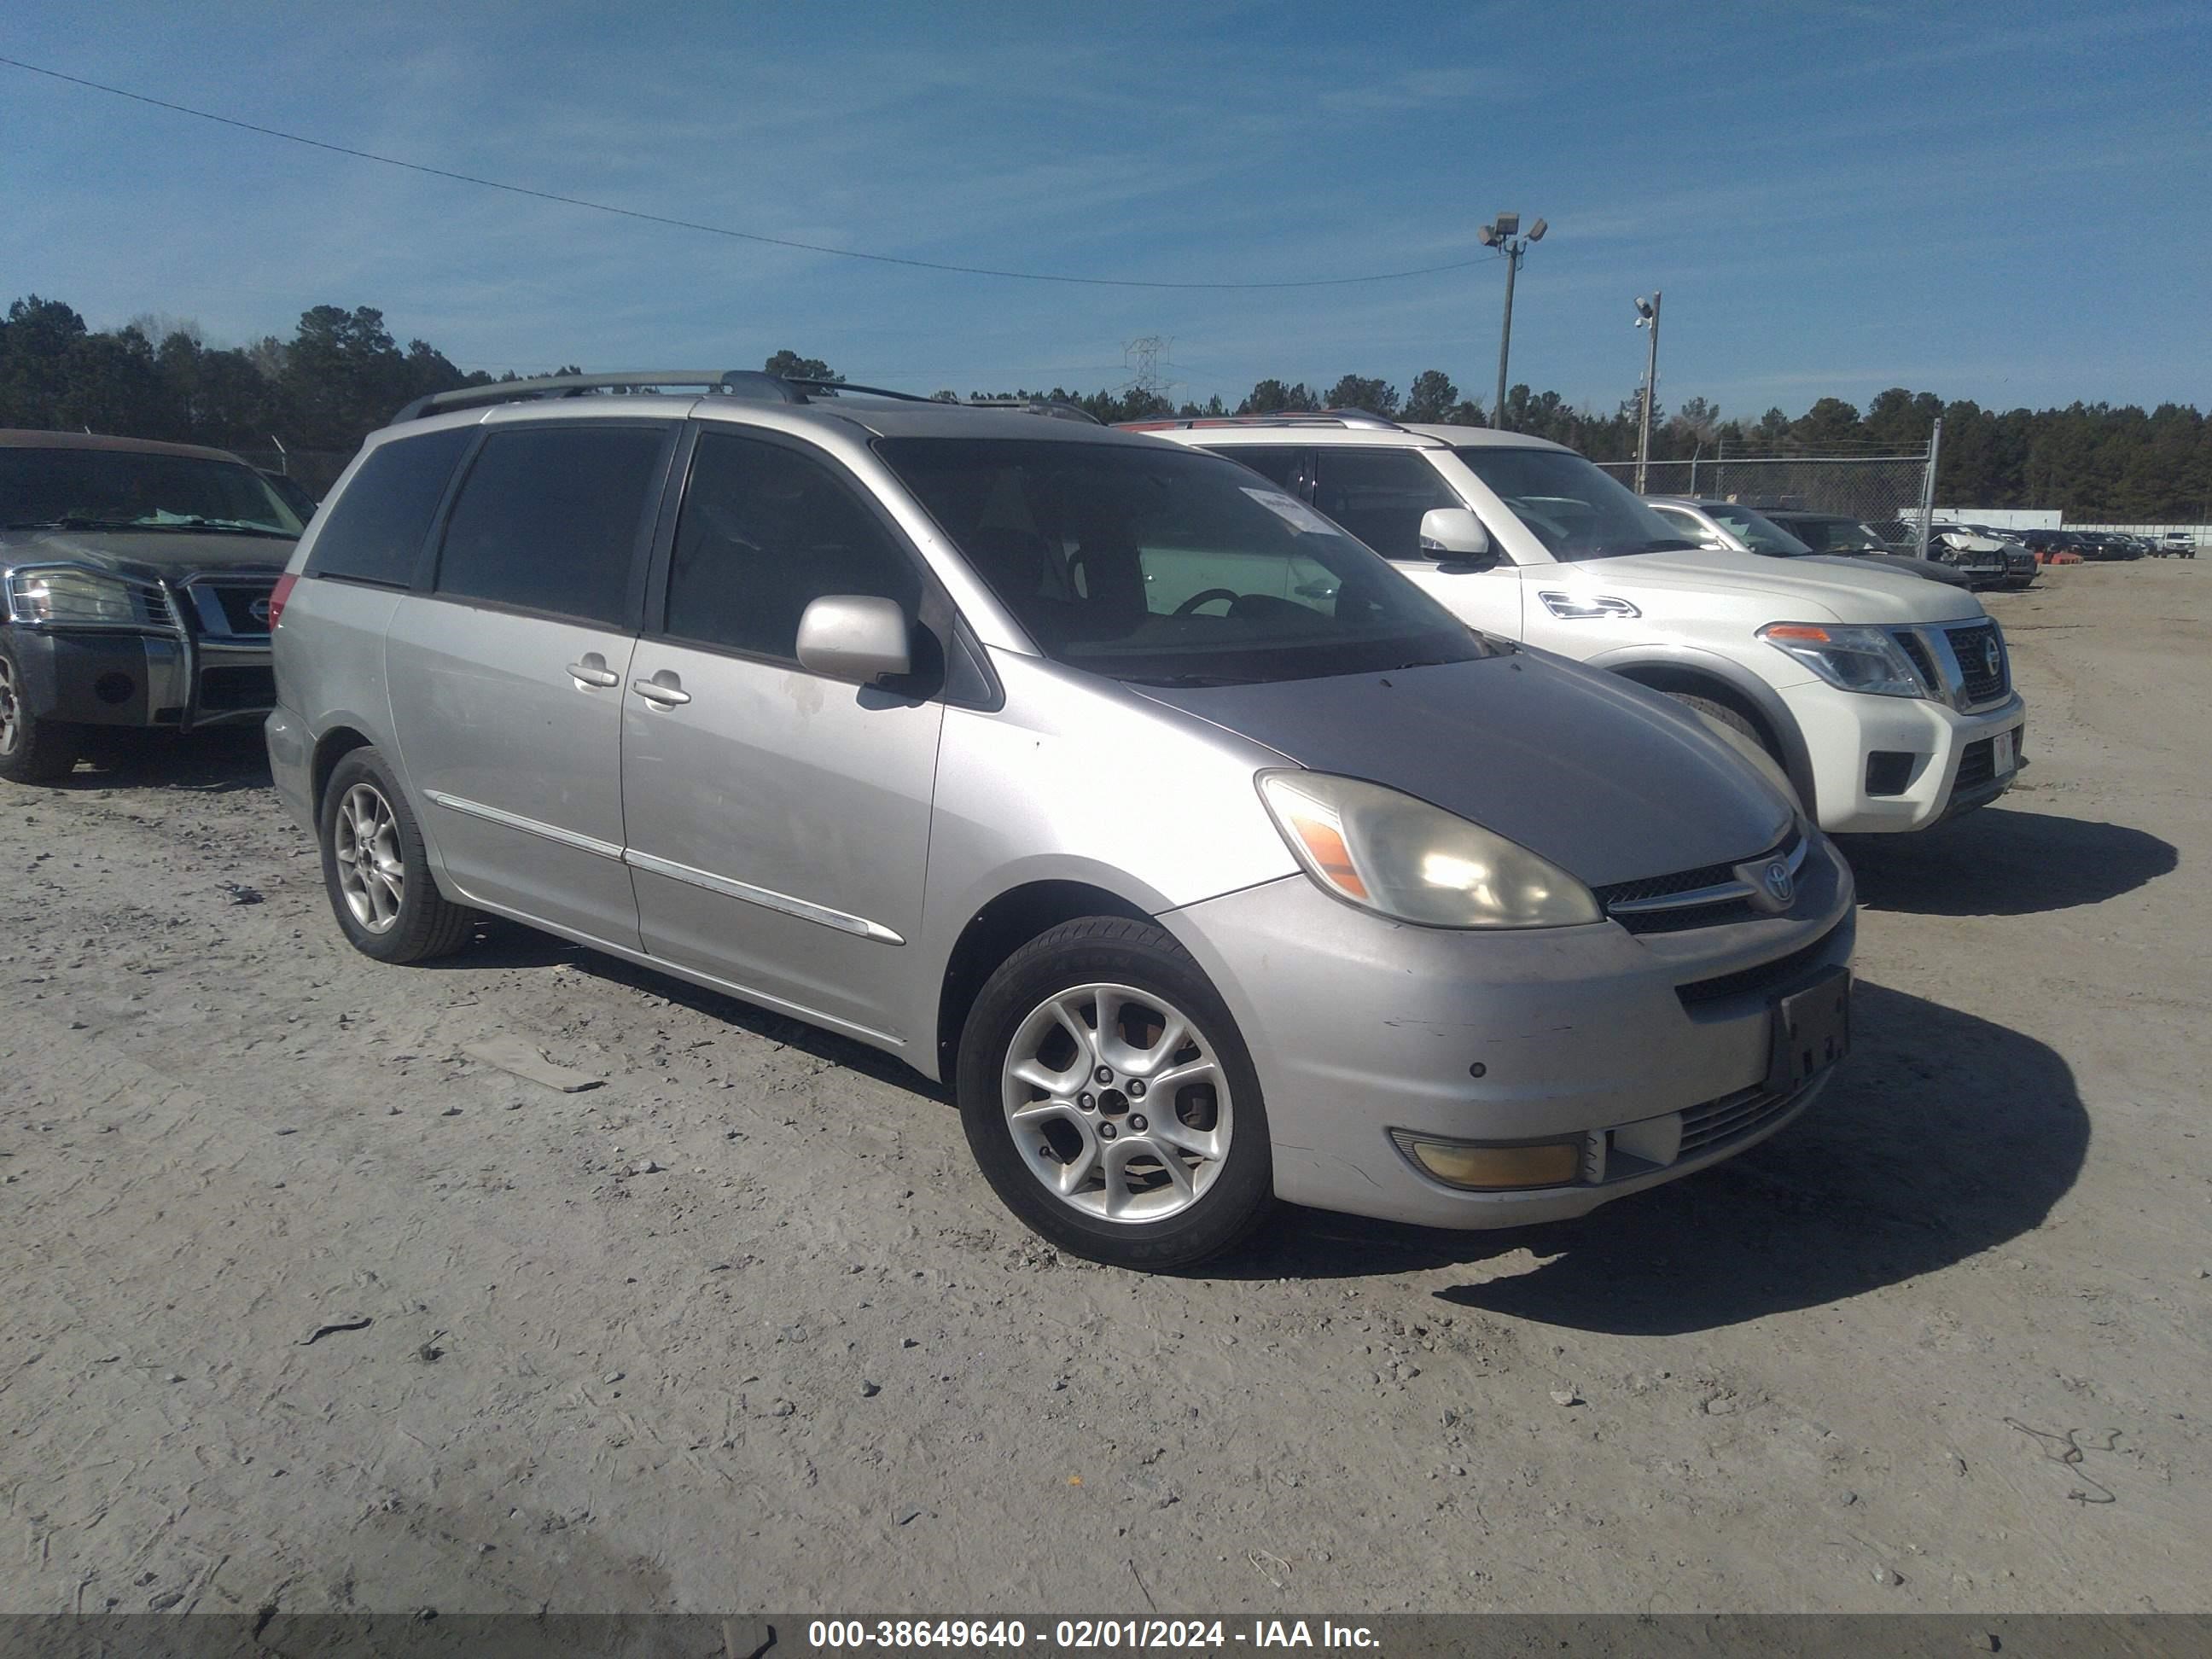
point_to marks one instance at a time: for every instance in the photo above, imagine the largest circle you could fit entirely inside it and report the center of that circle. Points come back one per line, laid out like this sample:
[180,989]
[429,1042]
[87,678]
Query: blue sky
[2007,202]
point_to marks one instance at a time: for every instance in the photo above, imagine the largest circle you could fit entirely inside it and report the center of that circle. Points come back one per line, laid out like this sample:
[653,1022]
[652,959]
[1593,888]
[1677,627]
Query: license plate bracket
[1812,1031]
[2005,751]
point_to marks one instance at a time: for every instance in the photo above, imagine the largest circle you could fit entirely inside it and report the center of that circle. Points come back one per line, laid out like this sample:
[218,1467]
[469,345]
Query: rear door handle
[593,671]
[664,689]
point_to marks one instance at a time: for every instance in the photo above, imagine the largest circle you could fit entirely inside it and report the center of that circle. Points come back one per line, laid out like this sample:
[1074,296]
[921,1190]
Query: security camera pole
[1647,314]
[1501,235]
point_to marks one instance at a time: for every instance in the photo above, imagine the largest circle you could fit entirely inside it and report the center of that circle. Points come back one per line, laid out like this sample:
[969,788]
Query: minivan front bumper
[1650,1052]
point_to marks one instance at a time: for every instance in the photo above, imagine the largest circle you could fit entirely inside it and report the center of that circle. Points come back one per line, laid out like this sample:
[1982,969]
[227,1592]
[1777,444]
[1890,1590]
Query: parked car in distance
[2052,546]
[1204,855]
[2106,546]
[2178,543]
[1886,700]
[2020,563]
[1838,534]
[1732,526]
[137,577]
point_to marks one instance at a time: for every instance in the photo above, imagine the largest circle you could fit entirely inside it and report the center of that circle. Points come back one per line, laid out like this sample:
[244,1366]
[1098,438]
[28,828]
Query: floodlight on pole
[1647,315]
[1503,234]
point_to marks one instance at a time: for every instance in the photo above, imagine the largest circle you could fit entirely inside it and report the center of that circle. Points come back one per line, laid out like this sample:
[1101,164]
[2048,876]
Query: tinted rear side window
[373,532]
[548,519]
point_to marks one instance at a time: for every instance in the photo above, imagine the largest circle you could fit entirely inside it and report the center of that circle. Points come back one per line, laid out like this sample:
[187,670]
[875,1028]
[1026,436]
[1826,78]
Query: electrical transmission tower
[1147,359]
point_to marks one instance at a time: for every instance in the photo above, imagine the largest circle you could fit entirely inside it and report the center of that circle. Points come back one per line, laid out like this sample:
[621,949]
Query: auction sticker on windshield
[1294,512]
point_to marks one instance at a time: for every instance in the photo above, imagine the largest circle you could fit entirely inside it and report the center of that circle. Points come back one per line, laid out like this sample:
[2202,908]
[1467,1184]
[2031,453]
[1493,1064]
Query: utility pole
[1647,315]
[1500,234]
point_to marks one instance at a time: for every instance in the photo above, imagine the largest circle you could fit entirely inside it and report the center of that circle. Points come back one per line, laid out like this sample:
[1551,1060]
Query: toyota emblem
[1992,658]
[260,611]
[1778,882]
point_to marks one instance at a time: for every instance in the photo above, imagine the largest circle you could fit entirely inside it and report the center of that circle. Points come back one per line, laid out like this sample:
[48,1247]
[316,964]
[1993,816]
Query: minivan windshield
[1167,567]
[136,489]
[1574,509]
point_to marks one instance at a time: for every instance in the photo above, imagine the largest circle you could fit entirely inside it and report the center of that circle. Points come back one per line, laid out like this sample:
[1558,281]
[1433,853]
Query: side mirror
[1453,534]
[847,636]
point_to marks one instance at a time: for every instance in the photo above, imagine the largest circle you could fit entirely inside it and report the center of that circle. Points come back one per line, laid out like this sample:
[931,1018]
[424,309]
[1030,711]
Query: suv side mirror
[1453,535]
[848,636]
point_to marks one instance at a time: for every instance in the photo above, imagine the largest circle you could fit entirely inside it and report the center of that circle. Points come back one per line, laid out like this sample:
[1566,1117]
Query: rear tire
[376,870]
[1108,1166]
[32,749]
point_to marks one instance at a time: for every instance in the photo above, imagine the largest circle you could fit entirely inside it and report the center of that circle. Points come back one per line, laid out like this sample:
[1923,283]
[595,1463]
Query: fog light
[1478,1167]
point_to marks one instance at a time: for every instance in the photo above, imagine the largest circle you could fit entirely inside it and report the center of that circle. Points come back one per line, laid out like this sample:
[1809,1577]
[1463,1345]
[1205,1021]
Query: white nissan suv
[1886,699]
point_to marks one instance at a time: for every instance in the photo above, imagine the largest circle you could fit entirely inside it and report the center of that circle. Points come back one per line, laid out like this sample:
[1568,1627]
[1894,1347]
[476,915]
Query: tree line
[342,374]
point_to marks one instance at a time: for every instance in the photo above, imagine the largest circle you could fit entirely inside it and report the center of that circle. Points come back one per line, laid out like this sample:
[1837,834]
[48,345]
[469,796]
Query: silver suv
[1208,857]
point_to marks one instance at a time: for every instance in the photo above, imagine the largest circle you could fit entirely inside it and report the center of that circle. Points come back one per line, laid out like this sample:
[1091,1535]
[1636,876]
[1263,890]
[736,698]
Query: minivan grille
[1731,1116]
[1766,977]
[1620,900]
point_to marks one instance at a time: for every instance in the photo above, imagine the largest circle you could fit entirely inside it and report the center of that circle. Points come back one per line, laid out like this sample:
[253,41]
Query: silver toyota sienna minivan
[1208,859]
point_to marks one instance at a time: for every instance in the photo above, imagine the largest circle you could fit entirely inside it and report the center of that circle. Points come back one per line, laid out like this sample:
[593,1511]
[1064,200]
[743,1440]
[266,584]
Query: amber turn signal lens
[1554,1163]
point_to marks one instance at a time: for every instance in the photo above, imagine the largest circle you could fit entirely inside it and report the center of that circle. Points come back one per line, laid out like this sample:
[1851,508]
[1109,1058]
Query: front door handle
[664,689]
[593,671]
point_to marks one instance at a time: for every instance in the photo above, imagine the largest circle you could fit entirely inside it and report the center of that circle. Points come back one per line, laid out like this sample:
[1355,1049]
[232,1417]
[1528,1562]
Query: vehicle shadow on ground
[2004,862]
[220,761]
[502,944]
[1944,1136]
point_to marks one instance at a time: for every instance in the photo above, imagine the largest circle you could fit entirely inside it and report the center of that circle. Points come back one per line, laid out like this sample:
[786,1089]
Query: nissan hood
[1608,780]
[1803,589]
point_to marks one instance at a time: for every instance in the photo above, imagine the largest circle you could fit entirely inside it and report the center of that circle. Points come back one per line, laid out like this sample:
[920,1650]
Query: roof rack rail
[1364,419]
[1058,408]
[734,382]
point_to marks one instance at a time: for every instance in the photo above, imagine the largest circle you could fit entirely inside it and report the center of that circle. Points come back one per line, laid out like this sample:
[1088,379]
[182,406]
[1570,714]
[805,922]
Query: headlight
[65,594]
[1854,659]
[1405,859]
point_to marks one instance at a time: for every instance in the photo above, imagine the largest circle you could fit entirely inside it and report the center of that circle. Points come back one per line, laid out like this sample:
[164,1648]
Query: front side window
[136,489]
[1169,567]
[1575,510]
[548,519]
[765,531]
[1379,495]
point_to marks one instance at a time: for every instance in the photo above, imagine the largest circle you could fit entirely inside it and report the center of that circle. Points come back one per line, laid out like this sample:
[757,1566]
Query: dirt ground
[1942,1345]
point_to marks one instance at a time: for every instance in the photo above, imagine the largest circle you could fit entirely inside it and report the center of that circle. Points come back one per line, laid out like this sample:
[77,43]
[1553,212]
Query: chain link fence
[1886,491]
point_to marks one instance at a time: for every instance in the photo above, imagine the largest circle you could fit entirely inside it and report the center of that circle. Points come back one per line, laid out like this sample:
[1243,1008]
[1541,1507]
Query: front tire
[1733,728]
[376,870]
[1110,1101]
[32,749]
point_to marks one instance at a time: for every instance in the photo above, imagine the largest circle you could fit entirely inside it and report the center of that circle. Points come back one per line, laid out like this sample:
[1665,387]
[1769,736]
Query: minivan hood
[1608,780]
[173,555]
[1794,589]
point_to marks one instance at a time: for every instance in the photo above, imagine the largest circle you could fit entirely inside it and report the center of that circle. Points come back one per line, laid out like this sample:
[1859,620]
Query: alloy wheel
[1118,1104]
[365,841]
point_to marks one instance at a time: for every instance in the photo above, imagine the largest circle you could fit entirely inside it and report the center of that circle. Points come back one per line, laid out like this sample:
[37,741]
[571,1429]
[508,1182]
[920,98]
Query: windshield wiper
[1189,680]
[194,521]
[69,521]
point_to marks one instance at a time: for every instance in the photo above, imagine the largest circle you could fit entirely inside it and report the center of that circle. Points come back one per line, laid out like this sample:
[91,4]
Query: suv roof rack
[736,382]
[1365,419]
[753,383]
[1057,408]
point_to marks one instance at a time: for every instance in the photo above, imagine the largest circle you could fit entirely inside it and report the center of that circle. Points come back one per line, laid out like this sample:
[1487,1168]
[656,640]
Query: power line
[720,230]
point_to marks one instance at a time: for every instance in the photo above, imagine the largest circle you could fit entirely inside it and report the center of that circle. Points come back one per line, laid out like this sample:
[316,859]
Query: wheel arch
[1699,674]
[331,747]
[999,928]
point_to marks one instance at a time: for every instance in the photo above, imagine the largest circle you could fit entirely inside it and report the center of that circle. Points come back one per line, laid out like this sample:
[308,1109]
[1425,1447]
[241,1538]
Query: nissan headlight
[67,594]
[1851,658]
[1402,858]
